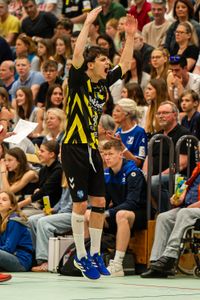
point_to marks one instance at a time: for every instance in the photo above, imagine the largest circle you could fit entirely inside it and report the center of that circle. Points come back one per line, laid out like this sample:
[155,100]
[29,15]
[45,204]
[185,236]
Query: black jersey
[85,104]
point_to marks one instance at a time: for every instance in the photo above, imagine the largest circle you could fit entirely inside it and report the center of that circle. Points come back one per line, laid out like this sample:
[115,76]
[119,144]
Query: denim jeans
[9,262]
[164,204]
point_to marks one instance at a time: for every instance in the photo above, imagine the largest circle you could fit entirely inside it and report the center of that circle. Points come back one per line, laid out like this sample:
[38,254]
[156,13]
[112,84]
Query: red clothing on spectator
[143,16]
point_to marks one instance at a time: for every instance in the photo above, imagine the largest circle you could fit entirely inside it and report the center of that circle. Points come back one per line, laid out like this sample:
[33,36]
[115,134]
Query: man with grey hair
[167,116]
[7,74]
[154,33]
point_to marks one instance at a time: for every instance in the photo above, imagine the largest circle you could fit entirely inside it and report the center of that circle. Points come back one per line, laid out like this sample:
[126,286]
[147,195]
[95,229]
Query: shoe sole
[6,279]
[84,275]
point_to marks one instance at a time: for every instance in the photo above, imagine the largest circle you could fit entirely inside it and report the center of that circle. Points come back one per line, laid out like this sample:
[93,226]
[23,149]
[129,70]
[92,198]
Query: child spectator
[50,176]
[15,240]
[189,102]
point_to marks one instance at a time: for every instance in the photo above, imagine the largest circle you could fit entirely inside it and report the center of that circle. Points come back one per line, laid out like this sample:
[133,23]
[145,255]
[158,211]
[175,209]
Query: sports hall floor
[47,286]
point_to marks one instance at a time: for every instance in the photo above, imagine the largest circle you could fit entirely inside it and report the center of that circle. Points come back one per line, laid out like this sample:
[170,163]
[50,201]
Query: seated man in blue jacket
[125,200]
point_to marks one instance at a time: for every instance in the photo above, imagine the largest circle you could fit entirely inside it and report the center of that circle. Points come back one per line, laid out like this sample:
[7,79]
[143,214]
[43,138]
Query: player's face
[188,104]
[112,157]
[101,67]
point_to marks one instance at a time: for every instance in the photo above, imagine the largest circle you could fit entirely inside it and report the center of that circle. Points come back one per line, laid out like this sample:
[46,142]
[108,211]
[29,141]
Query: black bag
[66,264]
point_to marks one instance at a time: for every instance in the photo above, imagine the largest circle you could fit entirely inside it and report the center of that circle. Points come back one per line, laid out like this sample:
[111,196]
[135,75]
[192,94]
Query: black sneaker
[164,263]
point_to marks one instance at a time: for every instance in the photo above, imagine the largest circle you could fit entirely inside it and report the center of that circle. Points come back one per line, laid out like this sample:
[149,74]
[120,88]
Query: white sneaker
[115,269]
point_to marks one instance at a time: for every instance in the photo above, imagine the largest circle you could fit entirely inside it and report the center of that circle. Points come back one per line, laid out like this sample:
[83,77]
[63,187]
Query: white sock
[78,234]
[119,256]
[95,238]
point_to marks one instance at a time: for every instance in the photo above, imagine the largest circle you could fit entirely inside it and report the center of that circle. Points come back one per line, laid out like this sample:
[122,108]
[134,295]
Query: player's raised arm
[78,59]
[127,54]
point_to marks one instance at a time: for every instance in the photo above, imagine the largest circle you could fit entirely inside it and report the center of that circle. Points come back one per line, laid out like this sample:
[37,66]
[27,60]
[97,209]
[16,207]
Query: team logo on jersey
[133,174]
[130,140]
[71,182]
[80,194]
[142,151]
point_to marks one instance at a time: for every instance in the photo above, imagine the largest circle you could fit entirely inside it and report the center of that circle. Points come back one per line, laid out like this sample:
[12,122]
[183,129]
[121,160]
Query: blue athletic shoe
[86,267]
[98,262]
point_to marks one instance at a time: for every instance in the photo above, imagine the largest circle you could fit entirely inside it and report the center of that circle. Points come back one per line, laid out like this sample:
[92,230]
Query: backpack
[66,265]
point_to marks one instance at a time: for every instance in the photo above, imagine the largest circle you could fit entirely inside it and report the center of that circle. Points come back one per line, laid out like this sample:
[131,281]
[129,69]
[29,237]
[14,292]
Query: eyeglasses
[164,113]
[180,32]
[156,57]
[175,58]
[49,71]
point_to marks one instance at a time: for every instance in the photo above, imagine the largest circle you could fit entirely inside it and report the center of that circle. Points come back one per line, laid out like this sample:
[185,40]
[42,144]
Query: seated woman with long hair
[155,93]
[186,44]
[159,63]
[15,239]
[16,174]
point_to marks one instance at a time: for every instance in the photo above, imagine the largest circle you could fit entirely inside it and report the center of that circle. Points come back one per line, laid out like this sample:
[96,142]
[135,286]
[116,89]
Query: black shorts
[140,222]
[84,171]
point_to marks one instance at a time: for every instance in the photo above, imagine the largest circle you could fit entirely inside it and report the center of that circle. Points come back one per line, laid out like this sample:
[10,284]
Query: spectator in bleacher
[111,30]
[26,110]
[9,24]
[37,23]
[16,249]
[179,79]
[106,42]
[170,227]
[49,183]
[54,97]
[126,190]
[186,44]
[5,53]
[135,74]
[106,127]
[16,174]
[5,102]
[26,47]
[64,26]
[145,51]
[53,6]
[134,91]
[133,137]
[189,102]
[46,225]
[159,63]
[28,78]
[50,72]
[45,52]
[154,33]
[110,10]
[183,11]
[167,115]
[142,12]
[63,51]
[93,33]
[155,93]
[15,7]
[54,125]
[76,11]
[7,74]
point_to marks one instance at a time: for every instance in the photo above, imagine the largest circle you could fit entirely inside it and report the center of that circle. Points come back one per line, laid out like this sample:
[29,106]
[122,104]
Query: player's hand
[131,25]
[92,15]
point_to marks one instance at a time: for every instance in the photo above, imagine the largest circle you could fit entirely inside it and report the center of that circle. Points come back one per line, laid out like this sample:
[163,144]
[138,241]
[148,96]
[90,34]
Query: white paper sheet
[22,130]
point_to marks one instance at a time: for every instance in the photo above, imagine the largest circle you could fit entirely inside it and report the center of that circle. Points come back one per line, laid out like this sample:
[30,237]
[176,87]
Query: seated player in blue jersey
[89,79]
[133,137]
[126,190]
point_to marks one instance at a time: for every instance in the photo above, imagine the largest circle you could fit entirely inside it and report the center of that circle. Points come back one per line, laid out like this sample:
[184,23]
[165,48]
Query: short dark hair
[193,94]
[66,23]
[116,144]
[178,60]
[93,52]
[49,64]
